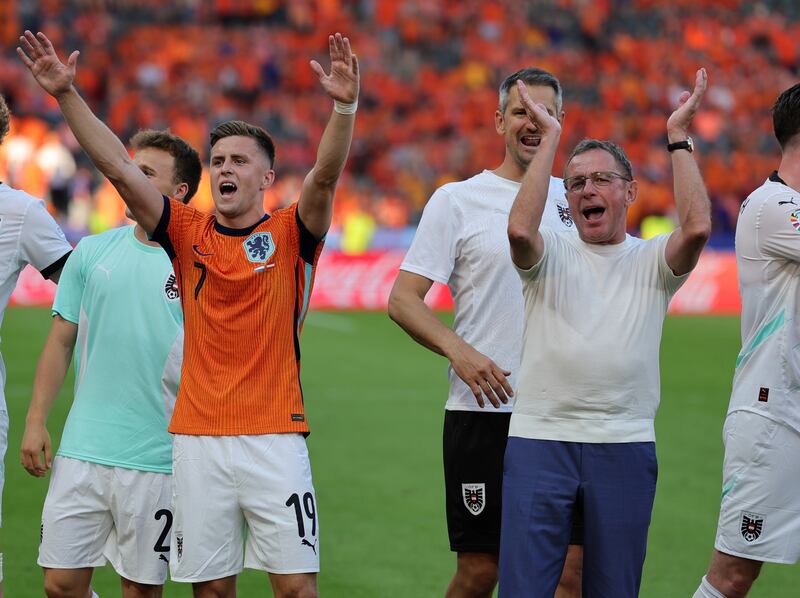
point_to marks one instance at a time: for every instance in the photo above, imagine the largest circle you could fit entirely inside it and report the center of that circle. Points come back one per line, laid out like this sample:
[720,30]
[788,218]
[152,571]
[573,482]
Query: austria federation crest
[474,497]
[752,524]
[564,214]
[259,247]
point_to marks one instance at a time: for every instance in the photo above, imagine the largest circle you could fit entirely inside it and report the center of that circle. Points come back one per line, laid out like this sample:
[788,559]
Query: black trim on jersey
[160,235]
[295,315]
[308,242]
[239,232]
[56,265]
[775,178]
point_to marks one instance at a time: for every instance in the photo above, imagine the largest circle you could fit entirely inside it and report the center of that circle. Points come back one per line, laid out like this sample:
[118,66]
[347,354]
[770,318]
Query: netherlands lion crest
[259,247]
[752,524]
[474,497]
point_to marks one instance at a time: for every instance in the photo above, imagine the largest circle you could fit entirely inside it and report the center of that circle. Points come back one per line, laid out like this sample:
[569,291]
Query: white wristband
[343,108]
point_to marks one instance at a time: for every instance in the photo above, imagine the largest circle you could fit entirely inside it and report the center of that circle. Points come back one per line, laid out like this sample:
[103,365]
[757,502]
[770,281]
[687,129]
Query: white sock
[1,566]
[94,594]
[706,590]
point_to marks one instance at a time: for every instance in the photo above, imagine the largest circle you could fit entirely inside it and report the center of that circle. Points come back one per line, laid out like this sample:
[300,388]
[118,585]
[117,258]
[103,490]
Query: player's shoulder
[16,201]
[108,237]
[773,196]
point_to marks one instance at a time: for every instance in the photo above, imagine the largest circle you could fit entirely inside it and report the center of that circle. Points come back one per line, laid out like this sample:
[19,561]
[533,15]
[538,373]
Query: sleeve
[173,229]
[310,246]
[778,227]
[42,243]
[435,246]
[669,280]
[69,293]
[550,239]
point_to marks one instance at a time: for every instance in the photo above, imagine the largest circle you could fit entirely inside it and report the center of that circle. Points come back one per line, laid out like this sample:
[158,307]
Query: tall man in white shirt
[28,235]
[461,242]
[759,517]
[581,433]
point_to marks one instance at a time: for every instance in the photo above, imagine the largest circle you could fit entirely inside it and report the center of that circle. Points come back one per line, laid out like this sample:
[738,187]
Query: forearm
[414,316]
[334,147]
[50,374]
[101,145]
[691,198]
[526,212]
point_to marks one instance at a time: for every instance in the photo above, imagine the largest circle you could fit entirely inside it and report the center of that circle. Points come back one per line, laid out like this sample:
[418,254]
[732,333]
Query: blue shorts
[544,481]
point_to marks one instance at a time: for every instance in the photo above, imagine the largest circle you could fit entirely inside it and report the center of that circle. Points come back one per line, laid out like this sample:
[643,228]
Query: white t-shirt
[28,235]
[767,377]
[593,318]
[462,241]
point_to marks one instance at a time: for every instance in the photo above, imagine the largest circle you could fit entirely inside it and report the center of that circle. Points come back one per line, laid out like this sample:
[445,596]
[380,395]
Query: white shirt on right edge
[767,376]
[593,319]
[462,241]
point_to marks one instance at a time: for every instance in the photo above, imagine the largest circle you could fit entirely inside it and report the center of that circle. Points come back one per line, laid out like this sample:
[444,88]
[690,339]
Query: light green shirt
[123,296]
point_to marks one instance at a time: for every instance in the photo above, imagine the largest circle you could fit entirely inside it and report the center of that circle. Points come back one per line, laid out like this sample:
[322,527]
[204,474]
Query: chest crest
[259,247]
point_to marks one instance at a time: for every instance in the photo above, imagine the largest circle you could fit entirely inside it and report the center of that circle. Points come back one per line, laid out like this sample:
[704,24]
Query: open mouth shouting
[593,213]
[227,189]
[530,140]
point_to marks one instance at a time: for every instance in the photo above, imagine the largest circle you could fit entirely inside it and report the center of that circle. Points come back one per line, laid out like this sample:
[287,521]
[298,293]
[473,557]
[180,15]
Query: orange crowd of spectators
[430,71]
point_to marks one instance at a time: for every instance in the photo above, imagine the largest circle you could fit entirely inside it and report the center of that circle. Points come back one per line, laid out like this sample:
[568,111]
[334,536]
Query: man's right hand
[483,376]
[50,73]
[35,442]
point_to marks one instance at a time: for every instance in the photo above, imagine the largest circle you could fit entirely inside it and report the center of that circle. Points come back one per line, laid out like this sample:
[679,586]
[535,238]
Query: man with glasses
[461,242]
[581,433]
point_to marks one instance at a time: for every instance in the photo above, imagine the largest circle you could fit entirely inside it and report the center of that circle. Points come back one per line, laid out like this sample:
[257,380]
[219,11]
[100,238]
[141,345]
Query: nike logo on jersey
[309,544]
[196,249]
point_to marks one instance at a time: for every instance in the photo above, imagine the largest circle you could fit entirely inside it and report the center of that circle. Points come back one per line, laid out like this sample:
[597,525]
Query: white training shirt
[462,241]
[767,377]
[593,318]
[28,235]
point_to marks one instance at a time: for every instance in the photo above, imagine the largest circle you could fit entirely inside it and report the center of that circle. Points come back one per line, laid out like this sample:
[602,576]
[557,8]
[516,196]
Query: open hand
[342,82]
[688,105]
[50,73]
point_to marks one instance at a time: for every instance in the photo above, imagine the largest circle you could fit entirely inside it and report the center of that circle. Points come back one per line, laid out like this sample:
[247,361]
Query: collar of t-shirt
[775,178]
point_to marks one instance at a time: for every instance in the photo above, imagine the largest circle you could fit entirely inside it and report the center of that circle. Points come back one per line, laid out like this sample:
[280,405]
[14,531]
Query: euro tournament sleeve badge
[752,524]
[259,247]
[474,497]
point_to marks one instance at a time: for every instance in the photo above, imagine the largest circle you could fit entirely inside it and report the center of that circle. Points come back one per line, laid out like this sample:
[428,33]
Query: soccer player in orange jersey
[239,454]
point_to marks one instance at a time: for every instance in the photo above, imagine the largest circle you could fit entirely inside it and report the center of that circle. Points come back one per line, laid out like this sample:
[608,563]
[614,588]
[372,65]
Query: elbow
[115,168]
[698,234]
[519,237]
[393,307]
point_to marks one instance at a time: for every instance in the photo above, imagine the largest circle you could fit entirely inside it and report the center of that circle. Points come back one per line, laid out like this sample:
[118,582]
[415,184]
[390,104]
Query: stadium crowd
[431,71]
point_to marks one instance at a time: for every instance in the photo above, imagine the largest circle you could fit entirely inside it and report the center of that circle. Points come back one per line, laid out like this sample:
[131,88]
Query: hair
[607,146]
[187,161]
[240,128]
[530,76]
[5,118]
[786,115]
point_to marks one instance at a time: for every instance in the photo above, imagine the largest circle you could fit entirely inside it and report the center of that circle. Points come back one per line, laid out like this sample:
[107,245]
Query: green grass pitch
[374,399]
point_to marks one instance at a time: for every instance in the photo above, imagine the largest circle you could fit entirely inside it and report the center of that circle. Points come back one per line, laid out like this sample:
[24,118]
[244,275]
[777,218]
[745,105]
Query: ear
[633,190]
[499,122]
[267,180]
[180,192]
[561,118]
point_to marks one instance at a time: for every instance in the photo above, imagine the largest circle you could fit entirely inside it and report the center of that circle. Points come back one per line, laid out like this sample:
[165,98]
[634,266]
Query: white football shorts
[243,501]
[3,447]
[94,513]
[759,516]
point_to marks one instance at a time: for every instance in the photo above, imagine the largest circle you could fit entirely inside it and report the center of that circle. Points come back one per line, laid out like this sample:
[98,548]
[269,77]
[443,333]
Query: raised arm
[525,217]
[316,199]
[50,374]
[408,309]
[691,199]
[103,147]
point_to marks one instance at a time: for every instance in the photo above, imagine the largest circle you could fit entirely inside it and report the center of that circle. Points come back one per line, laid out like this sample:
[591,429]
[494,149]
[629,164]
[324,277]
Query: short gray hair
[607,146]
[531,76]
[5,118]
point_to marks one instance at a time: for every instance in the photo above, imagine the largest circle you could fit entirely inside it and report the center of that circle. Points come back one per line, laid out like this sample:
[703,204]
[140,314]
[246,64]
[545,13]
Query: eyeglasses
[575,184]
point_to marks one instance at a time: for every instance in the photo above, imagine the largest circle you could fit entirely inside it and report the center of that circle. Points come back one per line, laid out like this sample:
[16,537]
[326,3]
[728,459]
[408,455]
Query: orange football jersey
[244,293]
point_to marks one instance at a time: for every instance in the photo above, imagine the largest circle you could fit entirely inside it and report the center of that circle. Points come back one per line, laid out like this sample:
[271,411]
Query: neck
[141,235]
[510,170]
[249,218]
[789,170]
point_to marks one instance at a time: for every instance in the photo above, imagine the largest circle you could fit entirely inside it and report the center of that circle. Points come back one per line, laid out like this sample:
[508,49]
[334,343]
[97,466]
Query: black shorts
[474,444]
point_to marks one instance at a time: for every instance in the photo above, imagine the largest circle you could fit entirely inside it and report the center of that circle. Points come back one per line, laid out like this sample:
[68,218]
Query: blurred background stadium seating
[430,73]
